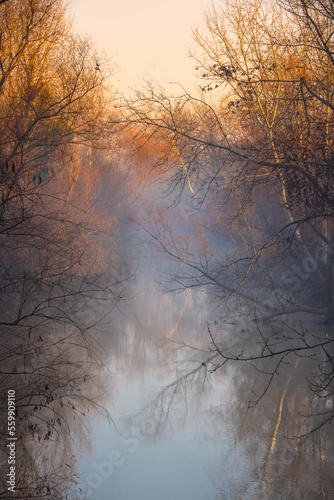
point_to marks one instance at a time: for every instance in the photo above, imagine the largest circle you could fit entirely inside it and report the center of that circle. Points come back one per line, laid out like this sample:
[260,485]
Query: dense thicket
[54,102]
[255,150]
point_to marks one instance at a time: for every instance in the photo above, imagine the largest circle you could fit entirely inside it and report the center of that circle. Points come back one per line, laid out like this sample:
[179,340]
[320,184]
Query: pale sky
[148,39]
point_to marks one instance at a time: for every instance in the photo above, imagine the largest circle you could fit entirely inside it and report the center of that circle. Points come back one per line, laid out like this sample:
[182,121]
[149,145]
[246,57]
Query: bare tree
[55,103]
[256,150]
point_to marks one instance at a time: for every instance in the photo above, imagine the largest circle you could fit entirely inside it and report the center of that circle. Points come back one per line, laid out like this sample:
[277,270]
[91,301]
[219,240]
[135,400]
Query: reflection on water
[183,430]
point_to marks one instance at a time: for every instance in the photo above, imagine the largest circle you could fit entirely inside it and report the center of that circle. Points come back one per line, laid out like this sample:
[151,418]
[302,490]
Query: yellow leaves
[251,50]
[183,166]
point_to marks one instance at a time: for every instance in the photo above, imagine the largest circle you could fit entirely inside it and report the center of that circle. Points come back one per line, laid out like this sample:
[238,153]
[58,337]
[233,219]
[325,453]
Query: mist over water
[182,426]
[167,260]
[165,452]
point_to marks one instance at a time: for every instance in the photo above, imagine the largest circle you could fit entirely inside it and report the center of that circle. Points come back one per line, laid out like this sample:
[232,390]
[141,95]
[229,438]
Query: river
[180,429]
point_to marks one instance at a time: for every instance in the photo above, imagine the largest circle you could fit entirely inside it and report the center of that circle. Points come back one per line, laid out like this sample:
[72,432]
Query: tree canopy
[254,153]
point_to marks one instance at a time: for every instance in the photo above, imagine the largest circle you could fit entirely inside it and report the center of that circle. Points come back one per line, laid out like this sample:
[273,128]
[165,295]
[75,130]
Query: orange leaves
[149,151]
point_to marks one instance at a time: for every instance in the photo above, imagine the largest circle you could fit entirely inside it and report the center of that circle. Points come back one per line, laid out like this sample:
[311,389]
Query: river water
[181,430]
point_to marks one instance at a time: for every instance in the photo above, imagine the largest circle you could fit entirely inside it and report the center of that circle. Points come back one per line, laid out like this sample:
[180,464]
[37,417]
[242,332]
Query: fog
[166,261]
[183,425]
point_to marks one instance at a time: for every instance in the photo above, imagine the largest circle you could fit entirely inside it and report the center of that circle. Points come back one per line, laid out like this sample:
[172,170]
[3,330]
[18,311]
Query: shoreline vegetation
[231,187]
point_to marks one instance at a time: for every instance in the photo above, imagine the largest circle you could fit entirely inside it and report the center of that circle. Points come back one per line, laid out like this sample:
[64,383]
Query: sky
[147,39]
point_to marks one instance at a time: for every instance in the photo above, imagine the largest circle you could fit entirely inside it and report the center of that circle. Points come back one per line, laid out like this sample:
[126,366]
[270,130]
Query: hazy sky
[148,38]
